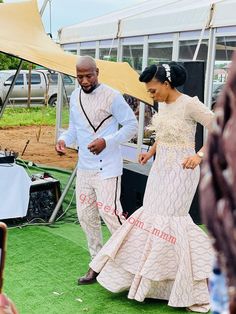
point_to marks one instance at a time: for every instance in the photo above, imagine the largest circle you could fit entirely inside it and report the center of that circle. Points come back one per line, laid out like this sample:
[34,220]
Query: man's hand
[191,162]
[61,147]
[97,146]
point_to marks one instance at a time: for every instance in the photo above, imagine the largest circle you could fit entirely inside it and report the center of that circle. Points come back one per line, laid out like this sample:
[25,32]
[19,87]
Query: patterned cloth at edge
[218,185]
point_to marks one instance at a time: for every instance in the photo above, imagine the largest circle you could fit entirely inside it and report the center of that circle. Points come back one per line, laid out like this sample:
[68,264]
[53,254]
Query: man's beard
[89,91]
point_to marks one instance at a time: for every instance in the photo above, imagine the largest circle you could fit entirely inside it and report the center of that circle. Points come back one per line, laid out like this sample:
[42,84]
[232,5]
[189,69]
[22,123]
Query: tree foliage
[8,62]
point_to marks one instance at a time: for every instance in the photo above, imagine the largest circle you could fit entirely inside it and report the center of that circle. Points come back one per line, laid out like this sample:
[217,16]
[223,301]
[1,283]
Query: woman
[159,252]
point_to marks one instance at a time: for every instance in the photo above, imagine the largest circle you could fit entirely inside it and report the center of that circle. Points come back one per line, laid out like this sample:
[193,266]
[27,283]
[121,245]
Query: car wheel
[53,101]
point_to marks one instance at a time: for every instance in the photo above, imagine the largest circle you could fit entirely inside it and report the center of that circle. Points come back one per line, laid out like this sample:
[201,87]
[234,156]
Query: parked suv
[43,83]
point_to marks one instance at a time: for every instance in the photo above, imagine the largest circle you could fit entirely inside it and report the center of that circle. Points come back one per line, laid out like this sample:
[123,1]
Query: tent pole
[43,7]
[63,195]
[210,67]
[59,105]
[205,26]
[142,105]
[10,88]
[58,127]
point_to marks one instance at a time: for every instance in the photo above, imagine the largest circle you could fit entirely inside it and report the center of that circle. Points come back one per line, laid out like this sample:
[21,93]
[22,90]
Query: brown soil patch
[42,152]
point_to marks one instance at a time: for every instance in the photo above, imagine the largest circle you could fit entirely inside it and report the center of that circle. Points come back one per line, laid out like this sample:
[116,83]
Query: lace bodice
[175,123]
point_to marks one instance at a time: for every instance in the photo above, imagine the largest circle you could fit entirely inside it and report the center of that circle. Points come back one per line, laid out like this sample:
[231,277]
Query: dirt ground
[40,152]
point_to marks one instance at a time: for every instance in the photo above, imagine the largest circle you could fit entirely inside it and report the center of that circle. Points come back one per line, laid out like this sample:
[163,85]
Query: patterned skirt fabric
[159,252]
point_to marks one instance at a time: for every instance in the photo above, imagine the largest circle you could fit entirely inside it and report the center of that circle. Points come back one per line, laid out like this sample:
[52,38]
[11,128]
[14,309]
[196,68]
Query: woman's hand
[144,157]
[191,162]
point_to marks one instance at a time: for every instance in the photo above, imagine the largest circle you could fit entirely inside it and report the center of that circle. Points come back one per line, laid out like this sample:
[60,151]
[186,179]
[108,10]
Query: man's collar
[93,91]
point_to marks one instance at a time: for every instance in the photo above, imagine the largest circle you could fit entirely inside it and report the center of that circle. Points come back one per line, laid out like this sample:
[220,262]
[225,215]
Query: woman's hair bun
[178,74]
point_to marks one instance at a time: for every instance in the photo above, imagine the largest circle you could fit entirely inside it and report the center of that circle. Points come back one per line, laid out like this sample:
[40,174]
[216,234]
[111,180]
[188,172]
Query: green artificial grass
[42,267]
[43,264]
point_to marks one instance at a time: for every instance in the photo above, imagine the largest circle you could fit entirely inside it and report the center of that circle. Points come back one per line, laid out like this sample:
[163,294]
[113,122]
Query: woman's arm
[152,150]
[203,115]
[144,157]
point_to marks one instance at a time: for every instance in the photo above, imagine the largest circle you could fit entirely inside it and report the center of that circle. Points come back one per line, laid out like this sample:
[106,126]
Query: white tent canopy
[152,17]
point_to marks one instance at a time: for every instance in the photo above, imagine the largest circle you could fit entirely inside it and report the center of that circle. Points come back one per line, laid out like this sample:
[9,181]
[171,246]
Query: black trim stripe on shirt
[90,123]
[116,201]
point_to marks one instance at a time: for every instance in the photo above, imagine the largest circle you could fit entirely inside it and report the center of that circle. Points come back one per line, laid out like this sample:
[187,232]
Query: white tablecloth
[14,191]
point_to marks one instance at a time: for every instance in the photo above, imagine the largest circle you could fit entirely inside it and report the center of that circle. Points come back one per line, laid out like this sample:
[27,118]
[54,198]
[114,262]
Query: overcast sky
[68,12]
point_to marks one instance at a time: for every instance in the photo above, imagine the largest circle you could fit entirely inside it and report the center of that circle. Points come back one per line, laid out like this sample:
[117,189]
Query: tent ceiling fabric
[152,17]
[23,36]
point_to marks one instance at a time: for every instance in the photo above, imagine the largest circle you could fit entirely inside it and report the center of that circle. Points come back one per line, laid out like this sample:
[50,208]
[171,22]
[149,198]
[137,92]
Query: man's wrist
[104,141]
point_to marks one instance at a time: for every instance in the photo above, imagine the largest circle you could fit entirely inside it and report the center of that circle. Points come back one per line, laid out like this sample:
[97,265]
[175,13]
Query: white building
[160,30]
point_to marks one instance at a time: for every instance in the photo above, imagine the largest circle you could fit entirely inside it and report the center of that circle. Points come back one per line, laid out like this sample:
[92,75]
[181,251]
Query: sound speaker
[44,195]
[194,86]
[133,183]
[134,177]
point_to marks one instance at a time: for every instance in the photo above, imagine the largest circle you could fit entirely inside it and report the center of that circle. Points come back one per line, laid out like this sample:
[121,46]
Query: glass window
[108,54]
[74,52]
[159,52]
[35,79]
[19,80]
[53,79]
[225,46]
[187,49]
[67,80]
[87,52]
[135,105]
[133,54]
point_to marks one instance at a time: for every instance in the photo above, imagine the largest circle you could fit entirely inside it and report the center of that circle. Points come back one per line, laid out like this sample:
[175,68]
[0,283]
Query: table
[14,191]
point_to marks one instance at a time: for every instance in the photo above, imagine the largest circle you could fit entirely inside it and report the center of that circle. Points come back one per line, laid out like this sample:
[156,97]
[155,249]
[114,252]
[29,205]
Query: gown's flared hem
[169,259]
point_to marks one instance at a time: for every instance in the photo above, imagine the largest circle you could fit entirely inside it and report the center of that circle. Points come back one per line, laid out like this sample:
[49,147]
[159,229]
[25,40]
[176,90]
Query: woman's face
[158,91]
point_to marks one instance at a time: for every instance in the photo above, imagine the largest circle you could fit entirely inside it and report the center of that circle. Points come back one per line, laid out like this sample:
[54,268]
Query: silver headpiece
[167,68]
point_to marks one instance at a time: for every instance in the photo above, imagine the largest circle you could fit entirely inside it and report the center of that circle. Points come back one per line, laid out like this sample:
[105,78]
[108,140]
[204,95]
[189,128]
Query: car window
[19,80]
[35,78]
[53,78]
[67,80]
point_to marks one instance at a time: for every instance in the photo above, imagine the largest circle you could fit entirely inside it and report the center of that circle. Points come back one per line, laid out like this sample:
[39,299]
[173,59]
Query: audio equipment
[44,195]
[7,157]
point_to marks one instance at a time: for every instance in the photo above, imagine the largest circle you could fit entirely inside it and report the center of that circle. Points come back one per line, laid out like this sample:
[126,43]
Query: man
[96,111]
